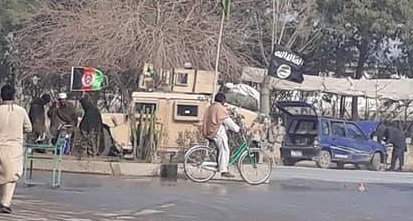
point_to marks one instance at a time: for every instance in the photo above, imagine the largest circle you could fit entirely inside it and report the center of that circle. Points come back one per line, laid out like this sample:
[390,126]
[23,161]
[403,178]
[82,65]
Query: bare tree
[120,36]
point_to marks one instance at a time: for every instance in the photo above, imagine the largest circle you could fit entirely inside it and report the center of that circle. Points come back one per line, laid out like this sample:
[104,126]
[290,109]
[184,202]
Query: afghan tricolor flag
[87,79]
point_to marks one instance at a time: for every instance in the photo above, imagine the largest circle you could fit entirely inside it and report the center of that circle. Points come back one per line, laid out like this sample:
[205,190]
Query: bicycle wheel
[200,164]
[255,166]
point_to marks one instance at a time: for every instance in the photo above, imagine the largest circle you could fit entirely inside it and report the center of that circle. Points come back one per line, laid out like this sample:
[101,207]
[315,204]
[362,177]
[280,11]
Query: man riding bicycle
[215,124]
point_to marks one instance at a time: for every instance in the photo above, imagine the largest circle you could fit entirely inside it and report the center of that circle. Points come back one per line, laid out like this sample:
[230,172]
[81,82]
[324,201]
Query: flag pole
[216,77]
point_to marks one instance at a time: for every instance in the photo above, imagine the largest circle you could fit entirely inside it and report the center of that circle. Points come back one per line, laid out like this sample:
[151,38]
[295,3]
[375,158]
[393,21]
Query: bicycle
[205,159]
[63,138]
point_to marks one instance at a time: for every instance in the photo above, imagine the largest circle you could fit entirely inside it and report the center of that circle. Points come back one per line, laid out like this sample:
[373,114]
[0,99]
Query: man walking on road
[397,138]
[13,122]
[216,122]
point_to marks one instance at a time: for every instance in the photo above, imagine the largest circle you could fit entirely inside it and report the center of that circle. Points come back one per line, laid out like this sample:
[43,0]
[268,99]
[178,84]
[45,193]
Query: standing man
[216,122]
[37,116]
[91,126]
[13,122]
[397,138]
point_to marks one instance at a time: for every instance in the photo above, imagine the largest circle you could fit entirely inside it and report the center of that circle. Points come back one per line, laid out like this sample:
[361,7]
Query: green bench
[56,159]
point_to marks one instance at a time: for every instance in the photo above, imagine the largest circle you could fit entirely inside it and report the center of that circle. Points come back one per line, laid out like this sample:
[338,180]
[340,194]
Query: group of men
[62,112]
[15,121]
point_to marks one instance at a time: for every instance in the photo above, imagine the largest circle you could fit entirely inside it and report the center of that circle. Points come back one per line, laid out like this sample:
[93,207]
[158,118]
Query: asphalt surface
[294,194]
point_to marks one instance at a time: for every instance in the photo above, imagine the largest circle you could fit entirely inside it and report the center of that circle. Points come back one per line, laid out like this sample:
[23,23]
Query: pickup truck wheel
[324,159]
[375,163]
[288,162]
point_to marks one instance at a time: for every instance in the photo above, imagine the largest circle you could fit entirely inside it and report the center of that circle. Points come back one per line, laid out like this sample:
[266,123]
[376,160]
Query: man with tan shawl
[13,122]
[215,124]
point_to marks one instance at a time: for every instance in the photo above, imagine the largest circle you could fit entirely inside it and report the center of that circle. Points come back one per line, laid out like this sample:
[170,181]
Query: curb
[136,169]
[103,167]
[119,169]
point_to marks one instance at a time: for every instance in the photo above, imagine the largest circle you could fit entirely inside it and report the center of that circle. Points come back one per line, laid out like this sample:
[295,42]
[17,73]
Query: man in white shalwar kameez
[14,120]
[216,122]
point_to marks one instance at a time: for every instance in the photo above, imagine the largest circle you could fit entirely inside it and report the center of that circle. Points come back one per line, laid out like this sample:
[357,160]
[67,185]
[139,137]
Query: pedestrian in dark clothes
[37,116]
[91,125]
[396,137]
[92,119]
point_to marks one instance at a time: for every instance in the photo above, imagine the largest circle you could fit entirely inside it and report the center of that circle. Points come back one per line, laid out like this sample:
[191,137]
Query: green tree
[12,14]
[357,28]
[406,11]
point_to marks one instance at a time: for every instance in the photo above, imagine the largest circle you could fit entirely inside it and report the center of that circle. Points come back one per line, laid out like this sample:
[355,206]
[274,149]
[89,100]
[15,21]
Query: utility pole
[221,30]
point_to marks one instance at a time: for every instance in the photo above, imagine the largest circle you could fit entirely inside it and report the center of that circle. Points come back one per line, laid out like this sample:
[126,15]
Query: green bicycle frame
[236,155]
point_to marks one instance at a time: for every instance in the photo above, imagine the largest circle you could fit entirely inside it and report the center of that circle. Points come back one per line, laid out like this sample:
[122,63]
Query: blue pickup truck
[325,140]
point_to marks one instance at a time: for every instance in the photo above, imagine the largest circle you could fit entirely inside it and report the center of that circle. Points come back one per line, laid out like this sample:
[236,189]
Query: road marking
[166,205]
[148,212]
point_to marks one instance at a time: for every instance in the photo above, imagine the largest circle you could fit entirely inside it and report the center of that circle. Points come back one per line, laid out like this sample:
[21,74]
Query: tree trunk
[354,108]
[363,50]
[342,106]
[265,96]
[340,67]
[340,62]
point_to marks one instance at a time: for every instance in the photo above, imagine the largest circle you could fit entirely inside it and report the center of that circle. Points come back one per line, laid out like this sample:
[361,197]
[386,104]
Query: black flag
[286,64]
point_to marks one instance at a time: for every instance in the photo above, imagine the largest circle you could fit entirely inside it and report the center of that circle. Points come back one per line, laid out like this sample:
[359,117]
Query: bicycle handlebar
[64,126]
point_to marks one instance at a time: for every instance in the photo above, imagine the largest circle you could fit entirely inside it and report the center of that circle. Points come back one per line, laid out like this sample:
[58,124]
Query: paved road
[294,194]
[343,175]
